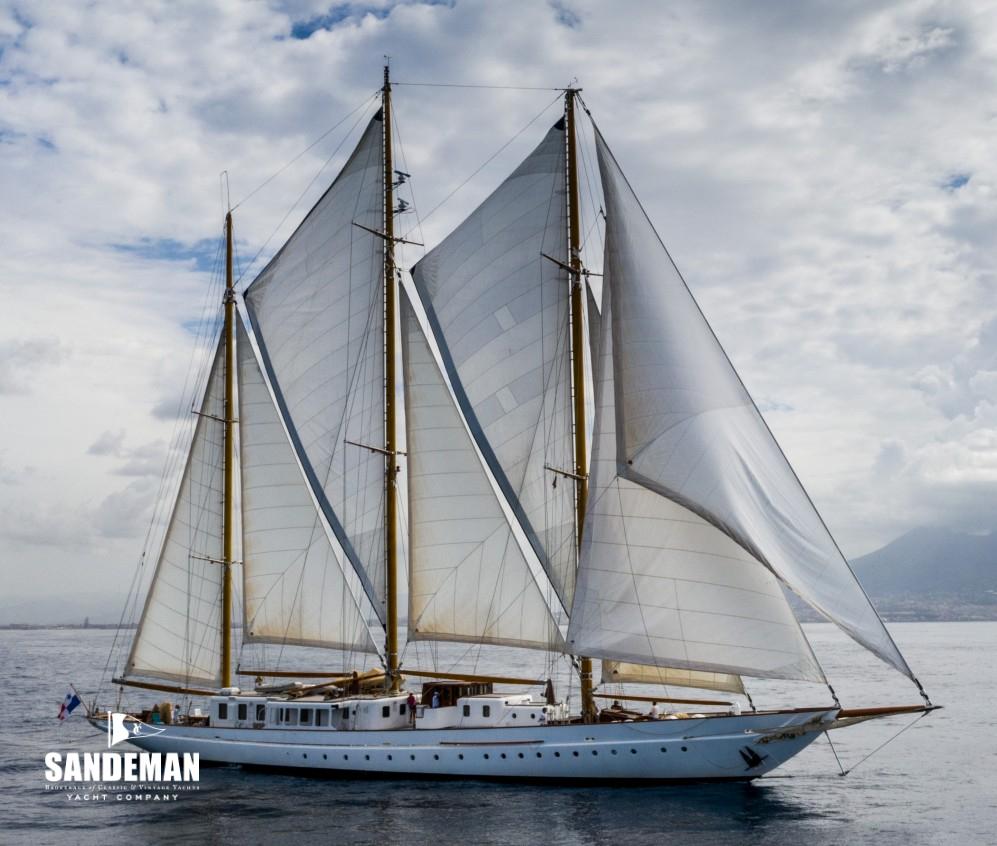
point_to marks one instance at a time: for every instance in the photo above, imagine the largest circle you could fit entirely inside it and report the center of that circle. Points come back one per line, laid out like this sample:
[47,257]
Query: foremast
[392,679]
[228,518]
[577,363]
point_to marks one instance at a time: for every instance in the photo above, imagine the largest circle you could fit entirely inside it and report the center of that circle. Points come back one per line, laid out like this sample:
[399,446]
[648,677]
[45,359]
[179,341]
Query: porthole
[520,754]
[502,756]
[685,748]
[346,757]
[664,748]
[325,757]
[366,757]
[557,754]
[486,756]
[304,755]
[461,756]
[411,757]
[514,715]
[595,751]
[389,757]
[575,753]
[612,751]
[540,754]
[633,751]
[436,757]
[533,716]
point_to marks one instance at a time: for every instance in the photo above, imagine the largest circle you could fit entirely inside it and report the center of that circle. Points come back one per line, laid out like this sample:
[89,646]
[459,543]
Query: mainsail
[681,443]
[179,633]
[298,587]
[318,318]
[499,312]
[620,672]
[469,578]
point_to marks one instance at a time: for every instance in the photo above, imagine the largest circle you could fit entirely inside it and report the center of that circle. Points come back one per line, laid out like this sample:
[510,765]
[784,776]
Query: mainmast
[577,362]
[229,423]
[391,467]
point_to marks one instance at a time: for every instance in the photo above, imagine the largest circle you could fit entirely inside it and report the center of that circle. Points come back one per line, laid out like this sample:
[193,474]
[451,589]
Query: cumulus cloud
[820,173]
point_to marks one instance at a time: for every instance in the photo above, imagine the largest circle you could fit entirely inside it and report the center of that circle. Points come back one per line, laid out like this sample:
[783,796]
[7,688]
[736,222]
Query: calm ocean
[935,784]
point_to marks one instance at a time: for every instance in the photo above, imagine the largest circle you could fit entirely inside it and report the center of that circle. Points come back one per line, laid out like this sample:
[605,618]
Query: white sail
[688,430]
[499,312]
[620,672]
[179,633]
[318,316]
[298,587]
[659,585]
[469,579]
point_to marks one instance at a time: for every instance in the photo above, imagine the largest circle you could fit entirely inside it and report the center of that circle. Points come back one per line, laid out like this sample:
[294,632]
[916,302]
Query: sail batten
[688,430]
[470,580]
[498,311]
[317,315]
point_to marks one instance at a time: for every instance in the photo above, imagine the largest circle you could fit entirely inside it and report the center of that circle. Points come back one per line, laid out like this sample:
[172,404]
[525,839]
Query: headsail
[179,633]
[687,429]
[317,313]
[659,585]
[499,312]
[298,587]
[469,578]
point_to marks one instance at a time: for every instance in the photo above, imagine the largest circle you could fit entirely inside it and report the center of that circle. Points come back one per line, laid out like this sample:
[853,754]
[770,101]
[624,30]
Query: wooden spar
[885,711]
[391,468]
[577,364]
[427,674]
[668,699]
[190,691]
[229,498]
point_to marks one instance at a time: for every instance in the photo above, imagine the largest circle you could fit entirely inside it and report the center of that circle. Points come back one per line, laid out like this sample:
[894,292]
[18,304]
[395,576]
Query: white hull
[695,749]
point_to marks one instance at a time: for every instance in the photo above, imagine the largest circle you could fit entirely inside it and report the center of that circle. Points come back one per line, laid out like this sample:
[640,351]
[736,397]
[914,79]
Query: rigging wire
[481,86]
[301,196]
[311,146]
[487,162]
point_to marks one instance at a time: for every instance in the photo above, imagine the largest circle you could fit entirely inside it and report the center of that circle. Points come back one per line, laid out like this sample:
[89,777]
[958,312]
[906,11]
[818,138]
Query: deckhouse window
[467,710]
[243,710]
[222,711]
[321,717]
[261,713]
[486,710]
[386,711]
[306,716]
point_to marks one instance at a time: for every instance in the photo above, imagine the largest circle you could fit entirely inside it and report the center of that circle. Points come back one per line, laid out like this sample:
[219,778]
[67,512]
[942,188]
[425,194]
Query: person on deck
[411,708]
[436,699]
[654,713]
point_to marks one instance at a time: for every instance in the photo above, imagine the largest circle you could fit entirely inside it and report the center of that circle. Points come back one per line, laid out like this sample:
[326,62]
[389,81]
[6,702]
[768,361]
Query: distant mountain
[931,561]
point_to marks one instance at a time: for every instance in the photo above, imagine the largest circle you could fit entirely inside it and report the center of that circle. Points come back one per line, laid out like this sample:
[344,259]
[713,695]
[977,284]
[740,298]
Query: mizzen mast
[228,516]
[390,443]
[577,362]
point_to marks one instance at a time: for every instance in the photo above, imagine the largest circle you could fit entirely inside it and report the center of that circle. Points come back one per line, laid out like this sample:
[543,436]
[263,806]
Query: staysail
[179,633]
[318,317]
[498,309]
[469,578]
[687,432]
[298,587]
[659,585]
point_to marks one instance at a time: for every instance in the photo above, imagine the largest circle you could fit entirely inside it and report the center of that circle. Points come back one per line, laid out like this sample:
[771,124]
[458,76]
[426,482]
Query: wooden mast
[393,679]
[229,423]
[577,363]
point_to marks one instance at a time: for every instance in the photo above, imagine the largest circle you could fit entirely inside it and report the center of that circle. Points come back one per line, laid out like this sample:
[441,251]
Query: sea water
[936,783]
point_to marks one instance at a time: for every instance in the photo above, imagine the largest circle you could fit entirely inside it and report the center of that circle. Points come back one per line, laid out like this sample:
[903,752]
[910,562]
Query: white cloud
[798,161]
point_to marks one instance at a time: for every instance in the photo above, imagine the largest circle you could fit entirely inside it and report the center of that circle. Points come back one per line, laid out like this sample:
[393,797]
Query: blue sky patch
[202,253]
[956,181]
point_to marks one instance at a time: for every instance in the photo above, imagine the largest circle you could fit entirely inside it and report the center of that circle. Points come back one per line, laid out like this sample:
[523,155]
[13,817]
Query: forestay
[659,585]
[499,312]
[298,587]
[179,633]
[318,317]
[687,430]
[469,578]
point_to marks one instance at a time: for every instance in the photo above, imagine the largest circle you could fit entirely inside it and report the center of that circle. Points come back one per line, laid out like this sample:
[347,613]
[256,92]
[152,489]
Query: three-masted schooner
[665,556]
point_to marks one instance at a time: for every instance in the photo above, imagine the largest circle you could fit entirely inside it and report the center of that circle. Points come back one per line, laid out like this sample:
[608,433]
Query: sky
[822,173]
